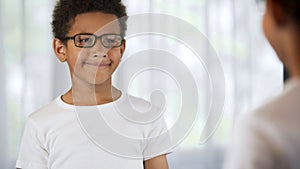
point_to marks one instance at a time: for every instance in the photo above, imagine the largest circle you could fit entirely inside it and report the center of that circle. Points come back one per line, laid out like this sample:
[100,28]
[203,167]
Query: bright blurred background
[31,76]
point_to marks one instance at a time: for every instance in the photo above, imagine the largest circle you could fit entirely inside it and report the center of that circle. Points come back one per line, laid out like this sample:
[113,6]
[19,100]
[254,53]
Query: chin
[101,81]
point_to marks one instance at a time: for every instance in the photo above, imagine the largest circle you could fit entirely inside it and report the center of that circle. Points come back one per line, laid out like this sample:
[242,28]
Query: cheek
[268,28]
[272,34]
[115,55]
[265,26]
[76,58]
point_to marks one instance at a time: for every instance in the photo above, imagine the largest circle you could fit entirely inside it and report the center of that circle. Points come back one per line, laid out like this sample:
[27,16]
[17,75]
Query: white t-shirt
[269,138]
[109,136]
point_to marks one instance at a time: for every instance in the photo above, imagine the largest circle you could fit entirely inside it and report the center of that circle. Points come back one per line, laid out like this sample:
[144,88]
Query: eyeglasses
[88,40]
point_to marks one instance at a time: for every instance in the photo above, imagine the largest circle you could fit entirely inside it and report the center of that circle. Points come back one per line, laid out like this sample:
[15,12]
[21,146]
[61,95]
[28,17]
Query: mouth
[98,65]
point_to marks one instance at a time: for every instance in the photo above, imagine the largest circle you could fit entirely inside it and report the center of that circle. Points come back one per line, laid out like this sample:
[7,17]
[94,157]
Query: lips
[98,64]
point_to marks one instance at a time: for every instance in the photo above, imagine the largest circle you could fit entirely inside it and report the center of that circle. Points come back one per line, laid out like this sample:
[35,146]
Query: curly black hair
[65,12]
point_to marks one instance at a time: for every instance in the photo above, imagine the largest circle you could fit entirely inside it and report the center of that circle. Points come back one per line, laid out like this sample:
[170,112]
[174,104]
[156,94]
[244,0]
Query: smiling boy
[88,38]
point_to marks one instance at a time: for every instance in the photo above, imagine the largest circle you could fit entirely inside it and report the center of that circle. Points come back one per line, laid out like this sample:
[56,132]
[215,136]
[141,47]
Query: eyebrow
[102,33]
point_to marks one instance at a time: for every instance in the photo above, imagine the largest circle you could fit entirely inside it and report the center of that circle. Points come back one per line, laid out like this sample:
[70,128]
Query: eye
[84,40]
[112,40]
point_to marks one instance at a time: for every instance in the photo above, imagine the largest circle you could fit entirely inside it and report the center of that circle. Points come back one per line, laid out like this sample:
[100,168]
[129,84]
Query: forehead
[95,22]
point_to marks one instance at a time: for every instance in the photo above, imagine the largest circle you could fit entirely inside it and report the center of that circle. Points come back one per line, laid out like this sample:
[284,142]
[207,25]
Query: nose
[99,50]
[99,54]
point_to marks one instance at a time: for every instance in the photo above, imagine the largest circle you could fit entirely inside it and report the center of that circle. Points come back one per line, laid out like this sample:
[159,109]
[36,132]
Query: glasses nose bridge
[98,39]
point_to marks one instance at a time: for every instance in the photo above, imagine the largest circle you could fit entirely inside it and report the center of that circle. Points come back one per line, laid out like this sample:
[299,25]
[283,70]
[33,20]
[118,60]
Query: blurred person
[269,136]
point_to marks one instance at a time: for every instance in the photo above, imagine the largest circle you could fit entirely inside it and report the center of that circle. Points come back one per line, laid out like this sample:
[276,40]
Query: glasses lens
[84,40]
[111,41]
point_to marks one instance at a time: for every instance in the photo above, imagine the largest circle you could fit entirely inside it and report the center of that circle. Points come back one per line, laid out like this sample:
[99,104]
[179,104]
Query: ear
[277,12]
[123,47]
[59,49]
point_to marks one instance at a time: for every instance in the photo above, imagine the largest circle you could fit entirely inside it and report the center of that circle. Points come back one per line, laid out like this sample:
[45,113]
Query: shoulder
[272,123]
[281,110]
[46,110]
[262,136]
[52,113]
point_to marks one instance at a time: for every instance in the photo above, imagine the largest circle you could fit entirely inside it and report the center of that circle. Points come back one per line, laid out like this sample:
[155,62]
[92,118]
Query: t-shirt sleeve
[158,142]
[32,154]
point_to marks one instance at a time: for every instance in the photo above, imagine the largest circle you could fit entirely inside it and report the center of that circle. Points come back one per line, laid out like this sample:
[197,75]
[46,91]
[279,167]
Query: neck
[83,94]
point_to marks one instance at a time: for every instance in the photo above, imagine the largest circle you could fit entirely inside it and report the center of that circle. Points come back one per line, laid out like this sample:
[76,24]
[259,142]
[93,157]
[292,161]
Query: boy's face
[96,64]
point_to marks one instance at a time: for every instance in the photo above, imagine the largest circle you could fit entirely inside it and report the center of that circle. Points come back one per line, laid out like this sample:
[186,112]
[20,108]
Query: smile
[99,65]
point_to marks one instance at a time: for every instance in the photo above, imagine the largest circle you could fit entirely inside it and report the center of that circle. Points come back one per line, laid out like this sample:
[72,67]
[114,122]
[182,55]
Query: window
[31,76]
[26,66]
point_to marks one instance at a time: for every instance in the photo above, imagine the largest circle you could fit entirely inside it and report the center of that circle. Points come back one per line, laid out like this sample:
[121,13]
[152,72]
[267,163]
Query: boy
[269,137]
[86,37]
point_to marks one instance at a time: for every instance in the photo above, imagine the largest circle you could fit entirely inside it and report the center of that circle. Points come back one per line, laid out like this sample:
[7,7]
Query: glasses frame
[96,38]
